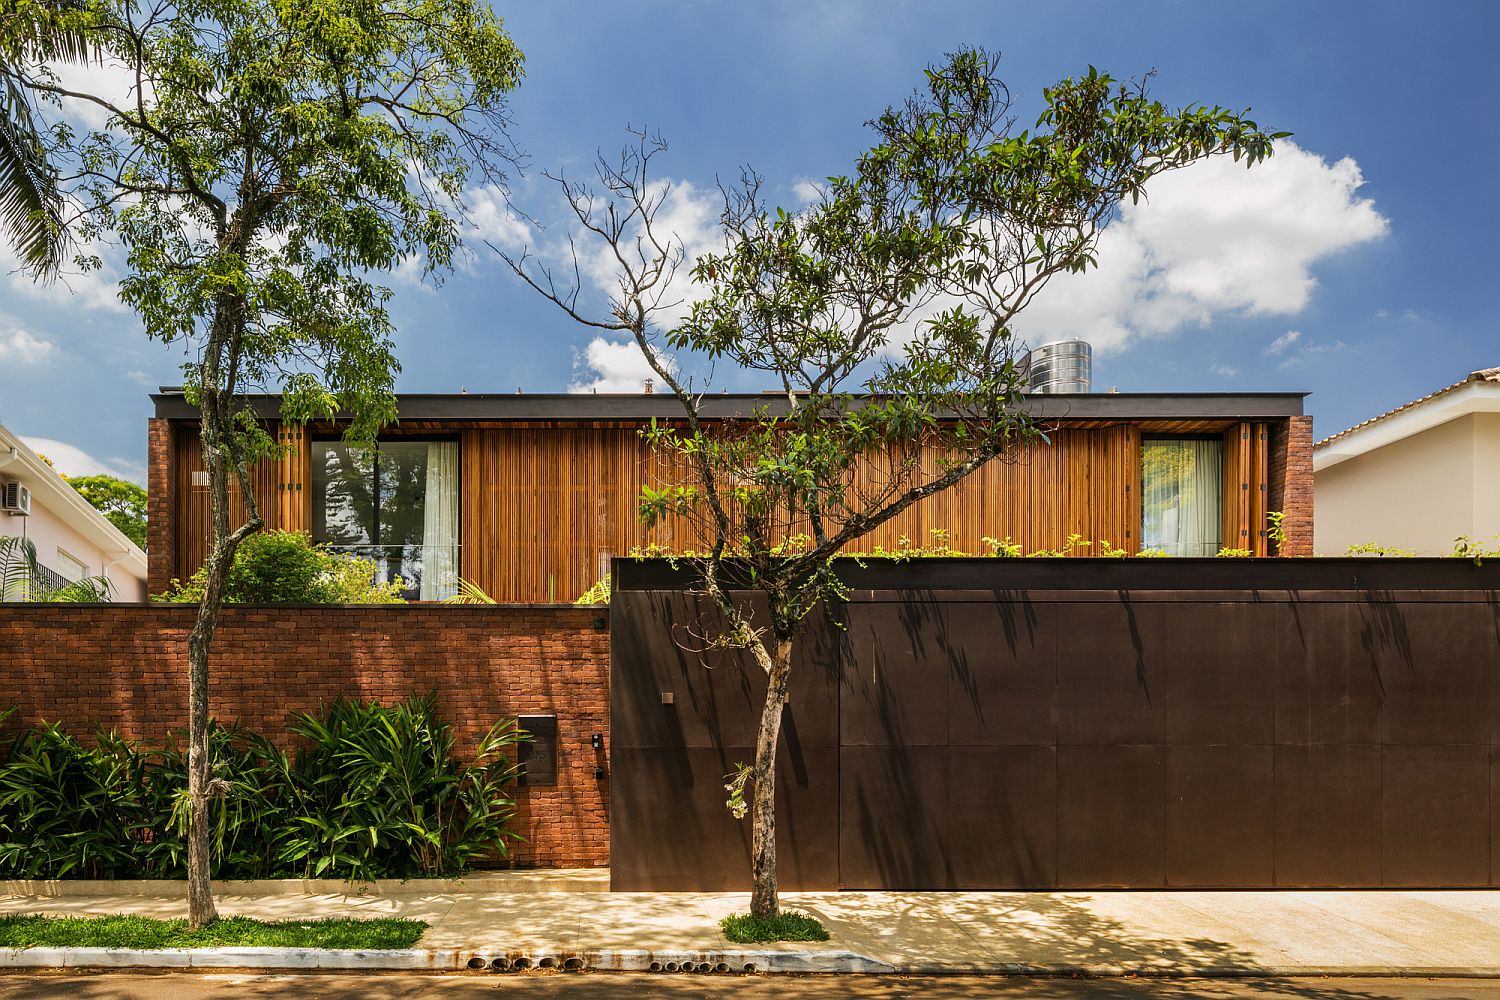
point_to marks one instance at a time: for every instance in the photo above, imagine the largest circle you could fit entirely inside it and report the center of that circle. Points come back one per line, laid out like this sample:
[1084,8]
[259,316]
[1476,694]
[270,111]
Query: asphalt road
[194,986]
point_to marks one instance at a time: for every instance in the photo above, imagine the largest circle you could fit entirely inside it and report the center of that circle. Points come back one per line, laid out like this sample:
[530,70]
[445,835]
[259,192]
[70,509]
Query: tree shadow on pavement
[1066,934]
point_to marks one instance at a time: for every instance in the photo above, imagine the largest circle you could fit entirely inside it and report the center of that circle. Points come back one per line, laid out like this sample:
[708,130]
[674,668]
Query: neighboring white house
[72,539]
[1417,477]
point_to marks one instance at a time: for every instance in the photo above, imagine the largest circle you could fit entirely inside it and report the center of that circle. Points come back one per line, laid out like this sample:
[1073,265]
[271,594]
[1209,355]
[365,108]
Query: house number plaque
[538,755]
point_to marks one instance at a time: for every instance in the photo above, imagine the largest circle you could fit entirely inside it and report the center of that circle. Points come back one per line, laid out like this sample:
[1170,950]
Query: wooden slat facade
[293,483]
[544,506]
[193,519]
[1246,481]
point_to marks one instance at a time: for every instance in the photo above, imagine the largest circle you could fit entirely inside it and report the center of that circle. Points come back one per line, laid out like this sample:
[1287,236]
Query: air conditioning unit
[15,499]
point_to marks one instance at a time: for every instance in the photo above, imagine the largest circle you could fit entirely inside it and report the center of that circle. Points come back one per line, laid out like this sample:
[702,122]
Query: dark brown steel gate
[981,724]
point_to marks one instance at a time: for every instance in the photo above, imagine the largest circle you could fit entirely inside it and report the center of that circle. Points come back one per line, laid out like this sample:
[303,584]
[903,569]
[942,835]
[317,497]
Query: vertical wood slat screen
[544,506]
[194,527]
[1246,481]
[293,479]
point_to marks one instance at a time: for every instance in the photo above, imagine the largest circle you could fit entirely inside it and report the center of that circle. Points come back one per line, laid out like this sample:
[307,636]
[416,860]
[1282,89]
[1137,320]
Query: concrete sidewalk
[561,915]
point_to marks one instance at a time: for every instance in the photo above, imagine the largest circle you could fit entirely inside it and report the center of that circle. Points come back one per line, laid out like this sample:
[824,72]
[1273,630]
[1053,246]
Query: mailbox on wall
[539,753]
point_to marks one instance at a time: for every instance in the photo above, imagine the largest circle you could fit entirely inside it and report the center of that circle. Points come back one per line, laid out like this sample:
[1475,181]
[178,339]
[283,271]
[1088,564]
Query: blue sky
[1356,266]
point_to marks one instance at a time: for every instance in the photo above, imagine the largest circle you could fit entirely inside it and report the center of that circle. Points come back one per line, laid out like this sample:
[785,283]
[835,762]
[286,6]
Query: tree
[883,314]
[269,160]
[119,500]
[31,204]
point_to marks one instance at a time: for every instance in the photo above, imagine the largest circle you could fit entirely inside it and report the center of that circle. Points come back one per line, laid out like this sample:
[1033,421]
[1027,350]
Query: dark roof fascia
[637,407]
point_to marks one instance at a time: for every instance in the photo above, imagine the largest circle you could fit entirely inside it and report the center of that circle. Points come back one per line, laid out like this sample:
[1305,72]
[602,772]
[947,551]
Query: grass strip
[148,933]
[789,925]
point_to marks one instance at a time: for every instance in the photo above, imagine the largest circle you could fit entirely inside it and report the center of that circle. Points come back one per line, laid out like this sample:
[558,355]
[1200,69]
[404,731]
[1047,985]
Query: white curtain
[440,522]
[1201,527]
[1182,496]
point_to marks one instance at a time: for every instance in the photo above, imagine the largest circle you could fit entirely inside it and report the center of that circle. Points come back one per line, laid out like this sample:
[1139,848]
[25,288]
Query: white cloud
[110,80]
[688,217]
[605,366]
[1213,238]
[22,348]
[71,460]
[806,190]
[411,272]
[1311,352]
[97,289]
[1224,371]
[1281,343]
[493,220]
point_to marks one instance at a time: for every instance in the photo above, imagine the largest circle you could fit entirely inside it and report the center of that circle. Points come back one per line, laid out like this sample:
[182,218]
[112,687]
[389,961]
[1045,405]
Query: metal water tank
[1060,366]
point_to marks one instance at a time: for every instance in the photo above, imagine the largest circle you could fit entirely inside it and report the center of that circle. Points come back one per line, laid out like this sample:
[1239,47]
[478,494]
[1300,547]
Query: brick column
[1291,483]
[161,506]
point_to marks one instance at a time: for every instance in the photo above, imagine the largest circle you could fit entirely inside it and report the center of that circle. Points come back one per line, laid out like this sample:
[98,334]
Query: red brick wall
[161,506]
[1292,483]
[125,667]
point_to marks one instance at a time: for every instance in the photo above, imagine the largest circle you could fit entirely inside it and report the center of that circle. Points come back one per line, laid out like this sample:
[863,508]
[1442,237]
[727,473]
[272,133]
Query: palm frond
[23,579]
[469,592]
[30,204]
[19,569]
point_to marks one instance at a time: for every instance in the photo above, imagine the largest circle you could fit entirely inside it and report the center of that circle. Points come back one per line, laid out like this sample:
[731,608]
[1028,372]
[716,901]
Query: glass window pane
[403,491]
[397,508]
[343,499]
[1182,489]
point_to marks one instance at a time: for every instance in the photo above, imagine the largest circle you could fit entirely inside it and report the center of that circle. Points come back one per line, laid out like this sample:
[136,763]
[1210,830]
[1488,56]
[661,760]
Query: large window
[1182,495]
[397,505]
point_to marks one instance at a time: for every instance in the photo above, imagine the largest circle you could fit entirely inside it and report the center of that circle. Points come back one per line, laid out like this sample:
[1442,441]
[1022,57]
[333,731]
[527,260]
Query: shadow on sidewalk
[1046,931]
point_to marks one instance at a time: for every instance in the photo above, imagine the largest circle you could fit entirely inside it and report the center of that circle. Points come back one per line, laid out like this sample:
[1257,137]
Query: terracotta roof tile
[1483,375]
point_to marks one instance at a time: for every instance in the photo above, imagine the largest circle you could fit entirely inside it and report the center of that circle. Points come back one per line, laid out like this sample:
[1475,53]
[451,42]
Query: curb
[442,960]
[727,961]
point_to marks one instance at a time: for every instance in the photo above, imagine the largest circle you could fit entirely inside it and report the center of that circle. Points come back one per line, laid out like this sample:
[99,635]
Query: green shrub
[285,567]
[376,792]
[67,810]
[380,793]
[788,925]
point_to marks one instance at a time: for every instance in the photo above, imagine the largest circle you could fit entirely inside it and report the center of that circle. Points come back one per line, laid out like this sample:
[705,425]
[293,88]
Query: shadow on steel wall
[1074,739]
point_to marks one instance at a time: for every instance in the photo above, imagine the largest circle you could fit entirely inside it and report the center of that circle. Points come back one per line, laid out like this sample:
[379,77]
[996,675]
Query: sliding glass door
[1182,495]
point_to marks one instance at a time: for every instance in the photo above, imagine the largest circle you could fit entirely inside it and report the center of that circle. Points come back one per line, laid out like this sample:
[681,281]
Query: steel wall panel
[1192,738]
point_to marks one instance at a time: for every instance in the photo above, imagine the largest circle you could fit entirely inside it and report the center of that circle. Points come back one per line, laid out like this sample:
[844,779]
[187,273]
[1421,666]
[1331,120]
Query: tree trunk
[763,901]
[202,787]
[201,911]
